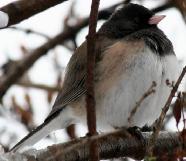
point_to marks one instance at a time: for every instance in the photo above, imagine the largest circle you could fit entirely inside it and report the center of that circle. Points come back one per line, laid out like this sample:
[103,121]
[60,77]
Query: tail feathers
[34,136]
[58,120]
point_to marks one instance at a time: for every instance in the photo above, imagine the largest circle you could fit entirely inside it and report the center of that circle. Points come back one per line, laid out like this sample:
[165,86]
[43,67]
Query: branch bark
[91,39]
[112,145]
[21,10]
[165,109]
[163,7]
[90,100]
[23,65]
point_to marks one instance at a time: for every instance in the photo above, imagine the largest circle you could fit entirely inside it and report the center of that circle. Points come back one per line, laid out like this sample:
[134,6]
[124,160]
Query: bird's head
[131,18]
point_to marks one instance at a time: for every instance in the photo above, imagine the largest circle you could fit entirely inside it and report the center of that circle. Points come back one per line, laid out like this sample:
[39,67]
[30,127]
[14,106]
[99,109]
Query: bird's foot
[146,128]
[136,132]
[89,135]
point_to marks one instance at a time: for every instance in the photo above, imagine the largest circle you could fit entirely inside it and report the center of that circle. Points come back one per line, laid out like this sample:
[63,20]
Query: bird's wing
[74,83]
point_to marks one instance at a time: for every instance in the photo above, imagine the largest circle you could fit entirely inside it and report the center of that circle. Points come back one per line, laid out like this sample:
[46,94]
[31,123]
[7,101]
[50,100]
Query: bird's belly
[115,105]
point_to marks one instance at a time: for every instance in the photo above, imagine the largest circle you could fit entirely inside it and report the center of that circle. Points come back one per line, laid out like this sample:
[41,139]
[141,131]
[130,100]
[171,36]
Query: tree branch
[28,31]
[23,65]
[161,118]
[112,145]
[150,91]
[20,10]
[90,100]
[163,7]
[91,39]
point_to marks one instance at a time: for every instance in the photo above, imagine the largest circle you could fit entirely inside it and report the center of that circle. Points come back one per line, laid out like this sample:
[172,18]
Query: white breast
[138,73]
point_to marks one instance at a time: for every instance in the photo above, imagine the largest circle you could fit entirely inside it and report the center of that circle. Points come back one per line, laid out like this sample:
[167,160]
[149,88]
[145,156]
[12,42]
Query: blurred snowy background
[14,44]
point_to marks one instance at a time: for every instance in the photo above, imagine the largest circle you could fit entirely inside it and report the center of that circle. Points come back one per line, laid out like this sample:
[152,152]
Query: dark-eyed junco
[134,52]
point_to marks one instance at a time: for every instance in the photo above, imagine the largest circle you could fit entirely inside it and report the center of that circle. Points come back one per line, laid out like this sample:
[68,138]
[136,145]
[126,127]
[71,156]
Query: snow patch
[13,157]
[4,18]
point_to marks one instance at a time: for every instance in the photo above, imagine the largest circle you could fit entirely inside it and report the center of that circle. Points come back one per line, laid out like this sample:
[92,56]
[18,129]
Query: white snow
[4,18]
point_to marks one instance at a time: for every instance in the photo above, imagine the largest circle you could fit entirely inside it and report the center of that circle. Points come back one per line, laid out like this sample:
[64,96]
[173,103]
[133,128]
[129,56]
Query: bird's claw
[136,132]
[146,128]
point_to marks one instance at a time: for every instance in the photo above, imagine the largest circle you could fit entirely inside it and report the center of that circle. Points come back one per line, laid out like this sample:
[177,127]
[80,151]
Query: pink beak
[154,20]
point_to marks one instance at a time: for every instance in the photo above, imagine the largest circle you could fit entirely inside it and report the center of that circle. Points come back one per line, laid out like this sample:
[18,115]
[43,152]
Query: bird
[133,53]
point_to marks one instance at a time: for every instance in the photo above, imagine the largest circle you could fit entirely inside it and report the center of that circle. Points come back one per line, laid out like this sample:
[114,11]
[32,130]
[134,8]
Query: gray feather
[74,83]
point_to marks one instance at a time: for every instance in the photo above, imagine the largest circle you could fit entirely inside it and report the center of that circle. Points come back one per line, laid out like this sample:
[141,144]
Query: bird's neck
[154,38]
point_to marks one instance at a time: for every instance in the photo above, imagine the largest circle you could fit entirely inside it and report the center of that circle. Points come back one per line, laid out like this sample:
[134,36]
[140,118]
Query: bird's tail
[34,136]
[41,131]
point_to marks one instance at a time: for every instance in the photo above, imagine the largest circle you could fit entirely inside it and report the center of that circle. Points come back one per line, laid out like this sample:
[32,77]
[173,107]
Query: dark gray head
[137,22]
[129,19]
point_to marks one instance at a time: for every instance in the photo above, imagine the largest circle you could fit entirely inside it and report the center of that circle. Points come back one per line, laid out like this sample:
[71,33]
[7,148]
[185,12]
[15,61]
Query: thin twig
[71,131]
[91,114]
[159,122]
[150,91]
[163,7]
[28,31]
[38,86]
[90,100]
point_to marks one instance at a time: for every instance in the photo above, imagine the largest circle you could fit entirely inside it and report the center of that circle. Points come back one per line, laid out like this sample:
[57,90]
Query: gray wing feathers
[74,83]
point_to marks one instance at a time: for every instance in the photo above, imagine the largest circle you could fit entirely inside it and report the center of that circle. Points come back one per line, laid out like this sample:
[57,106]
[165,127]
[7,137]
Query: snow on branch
[18,11]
